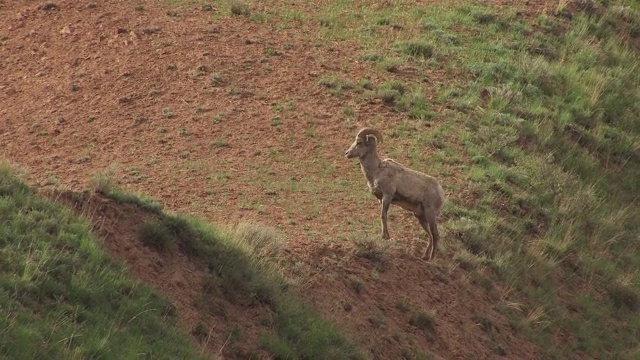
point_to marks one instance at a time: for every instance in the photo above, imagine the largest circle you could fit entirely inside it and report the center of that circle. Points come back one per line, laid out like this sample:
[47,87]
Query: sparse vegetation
[166,112]
[554,163]
[155,234]
[424,321]
[391,64]
[217,79]
[239,8]
[416,49]
[103,181]
[374,251]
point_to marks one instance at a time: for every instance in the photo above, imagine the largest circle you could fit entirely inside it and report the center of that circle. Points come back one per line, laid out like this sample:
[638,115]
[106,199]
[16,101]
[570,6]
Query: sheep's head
[366,140]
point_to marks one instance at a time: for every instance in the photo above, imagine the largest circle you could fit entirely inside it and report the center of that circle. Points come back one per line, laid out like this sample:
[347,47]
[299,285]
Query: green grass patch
[62,297]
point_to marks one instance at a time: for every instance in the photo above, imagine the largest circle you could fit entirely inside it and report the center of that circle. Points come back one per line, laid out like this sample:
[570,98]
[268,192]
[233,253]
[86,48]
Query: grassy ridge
[60,290]
[547,113]
[234,257]
[62,297]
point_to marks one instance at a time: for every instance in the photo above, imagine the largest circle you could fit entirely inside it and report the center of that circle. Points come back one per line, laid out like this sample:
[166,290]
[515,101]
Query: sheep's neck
[370,164]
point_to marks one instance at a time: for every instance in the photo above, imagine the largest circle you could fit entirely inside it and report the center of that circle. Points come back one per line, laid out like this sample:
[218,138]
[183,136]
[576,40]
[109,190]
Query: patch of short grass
[415,49]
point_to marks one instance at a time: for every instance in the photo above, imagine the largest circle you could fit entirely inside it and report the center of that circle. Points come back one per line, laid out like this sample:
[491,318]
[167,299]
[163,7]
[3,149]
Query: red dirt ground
[84,87]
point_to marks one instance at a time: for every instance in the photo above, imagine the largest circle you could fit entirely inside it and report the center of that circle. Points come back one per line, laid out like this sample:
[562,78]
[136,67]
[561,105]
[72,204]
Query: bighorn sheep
[395,184]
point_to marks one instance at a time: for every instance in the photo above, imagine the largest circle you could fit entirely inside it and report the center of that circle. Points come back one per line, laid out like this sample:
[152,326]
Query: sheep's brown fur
[393,183]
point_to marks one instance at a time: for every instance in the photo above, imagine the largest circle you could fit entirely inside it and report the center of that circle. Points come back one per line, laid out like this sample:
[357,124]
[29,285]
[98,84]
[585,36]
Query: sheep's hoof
[386,236]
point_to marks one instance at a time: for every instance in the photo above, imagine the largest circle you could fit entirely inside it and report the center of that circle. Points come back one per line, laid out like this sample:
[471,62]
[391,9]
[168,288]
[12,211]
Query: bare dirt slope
[225,119]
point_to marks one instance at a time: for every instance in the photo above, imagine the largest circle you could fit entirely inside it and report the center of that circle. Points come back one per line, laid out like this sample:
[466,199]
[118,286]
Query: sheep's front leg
[386,202]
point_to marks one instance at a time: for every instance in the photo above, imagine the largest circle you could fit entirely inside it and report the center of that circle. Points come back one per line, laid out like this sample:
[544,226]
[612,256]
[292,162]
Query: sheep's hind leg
[425,225]
[386,202]
[430,217]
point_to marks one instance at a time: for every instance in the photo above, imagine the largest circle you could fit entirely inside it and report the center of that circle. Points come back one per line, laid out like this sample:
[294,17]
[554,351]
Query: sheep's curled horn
[370,131]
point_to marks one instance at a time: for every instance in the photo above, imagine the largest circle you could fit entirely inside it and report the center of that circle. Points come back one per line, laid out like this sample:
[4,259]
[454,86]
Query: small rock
[47,6]
[151,30]
[270,192]
[91,6]
[66,30]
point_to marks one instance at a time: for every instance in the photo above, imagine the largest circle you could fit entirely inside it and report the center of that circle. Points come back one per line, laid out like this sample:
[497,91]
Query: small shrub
[466,261]
[200,331]
[335,85]
[389,96]
[103,181]
[500,350]
[366,84]
[418,49]
[349,111]
[239,8]
[217,79]
[403,305]
[261,238]
[391,65]
[166,112]
[393,85]
[484,18]
[372,57]
[356,284]
[423,321]
[277,347]
[271,52]
[220,143]
[624,297]
[155,234]
[330,82]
